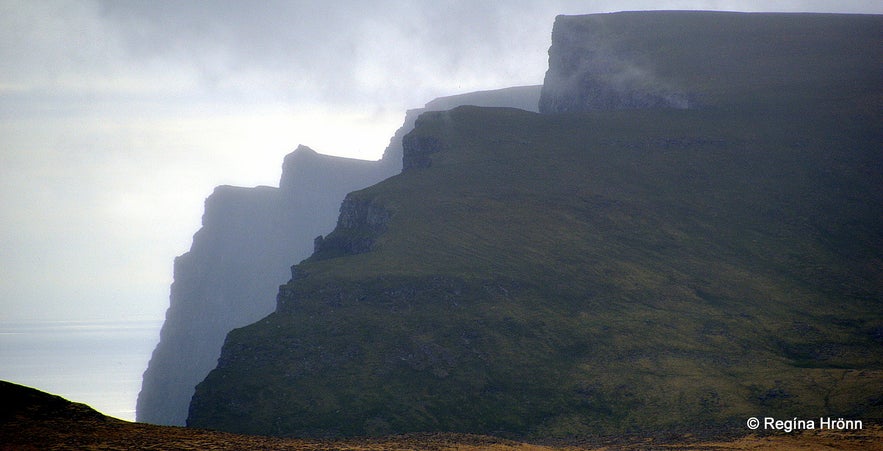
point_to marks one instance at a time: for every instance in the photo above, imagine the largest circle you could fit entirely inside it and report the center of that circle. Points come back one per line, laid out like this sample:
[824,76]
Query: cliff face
[249,239]
[250,236]
[678,273]
[602,272]
[586,72]
[591,69]
[681,59]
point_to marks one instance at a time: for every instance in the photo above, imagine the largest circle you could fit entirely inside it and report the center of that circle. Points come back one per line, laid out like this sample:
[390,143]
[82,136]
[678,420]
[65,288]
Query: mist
[117,119]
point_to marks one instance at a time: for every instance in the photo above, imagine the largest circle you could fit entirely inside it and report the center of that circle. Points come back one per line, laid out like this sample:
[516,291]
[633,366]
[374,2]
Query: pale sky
[117,119]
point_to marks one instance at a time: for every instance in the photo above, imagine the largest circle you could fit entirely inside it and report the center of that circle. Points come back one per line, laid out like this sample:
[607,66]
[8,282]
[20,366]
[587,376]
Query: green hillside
[564,275]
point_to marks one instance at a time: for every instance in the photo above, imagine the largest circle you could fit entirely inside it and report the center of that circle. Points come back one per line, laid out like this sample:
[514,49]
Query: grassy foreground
[33,420]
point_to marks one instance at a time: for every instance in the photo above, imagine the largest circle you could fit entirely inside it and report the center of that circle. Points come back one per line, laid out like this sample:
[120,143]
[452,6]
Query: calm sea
[96,363]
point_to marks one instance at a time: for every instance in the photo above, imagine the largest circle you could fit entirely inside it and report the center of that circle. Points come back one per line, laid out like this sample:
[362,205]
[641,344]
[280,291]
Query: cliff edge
[603,272]
[249,239]
[696,59]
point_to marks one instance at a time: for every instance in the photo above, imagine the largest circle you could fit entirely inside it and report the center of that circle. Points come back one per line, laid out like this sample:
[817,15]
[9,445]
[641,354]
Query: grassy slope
[565,275]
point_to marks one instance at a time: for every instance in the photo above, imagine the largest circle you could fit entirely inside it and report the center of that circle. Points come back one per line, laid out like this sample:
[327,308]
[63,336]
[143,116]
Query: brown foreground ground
[33,420]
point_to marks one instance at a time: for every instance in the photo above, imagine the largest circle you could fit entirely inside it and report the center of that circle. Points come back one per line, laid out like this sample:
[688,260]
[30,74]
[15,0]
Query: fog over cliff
[249,239]
[241,254]
[119,118]
[655,266]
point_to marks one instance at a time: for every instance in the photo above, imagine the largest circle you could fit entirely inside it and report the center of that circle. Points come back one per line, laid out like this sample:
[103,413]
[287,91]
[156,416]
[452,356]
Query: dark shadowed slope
[33,420]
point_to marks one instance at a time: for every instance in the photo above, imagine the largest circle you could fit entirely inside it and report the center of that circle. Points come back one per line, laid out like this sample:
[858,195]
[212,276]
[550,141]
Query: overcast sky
[118,118]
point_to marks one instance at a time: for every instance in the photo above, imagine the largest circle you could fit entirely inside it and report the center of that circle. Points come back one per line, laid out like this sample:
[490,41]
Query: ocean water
[98,363]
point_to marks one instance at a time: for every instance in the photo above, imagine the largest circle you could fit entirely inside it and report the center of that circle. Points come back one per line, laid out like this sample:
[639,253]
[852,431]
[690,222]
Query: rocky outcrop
[355,213]
[249,239]
[417,151]
[590,70]
[360,222]
[698,59]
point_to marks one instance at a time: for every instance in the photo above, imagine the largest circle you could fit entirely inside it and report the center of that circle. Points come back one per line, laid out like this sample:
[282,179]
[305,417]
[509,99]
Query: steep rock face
[211,293]
[557,275]
[680,59]
[616,279]
[249,239]
[588,71]
[357,226]
[250,236]
[418,151]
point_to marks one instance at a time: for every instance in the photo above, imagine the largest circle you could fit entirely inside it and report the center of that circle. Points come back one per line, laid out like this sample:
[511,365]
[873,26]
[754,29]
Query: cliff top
[600,272]
[680,59]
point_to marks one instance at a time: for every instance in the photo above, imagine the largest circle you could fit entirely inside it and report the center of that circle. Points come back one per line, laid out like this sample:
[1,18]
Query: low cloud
[117,118]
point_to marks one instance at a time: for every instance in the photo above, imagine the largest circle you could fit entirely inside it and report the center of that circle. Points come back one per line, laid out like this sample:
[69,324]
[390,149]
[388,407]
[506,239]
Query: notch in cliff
[359,223]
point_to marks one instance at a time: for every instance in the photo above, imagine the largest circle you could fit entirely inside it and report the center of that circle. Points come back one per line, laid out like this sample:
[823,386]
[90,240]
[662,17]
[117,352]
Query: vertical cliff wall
[570,275]
[591,69]
[249,239]
[692,59]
